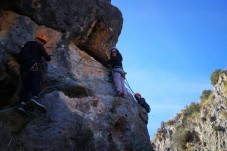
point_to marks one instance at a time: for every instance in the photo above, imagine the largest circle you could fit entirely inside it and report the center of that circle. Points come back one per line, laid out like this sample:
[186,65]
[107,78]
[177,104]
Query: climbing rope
[85,58]
[49,87]
[64,83]
[9,109]
[67,82]
[127,84]
[80,62]
[12,108]
[57,85]
[53,86]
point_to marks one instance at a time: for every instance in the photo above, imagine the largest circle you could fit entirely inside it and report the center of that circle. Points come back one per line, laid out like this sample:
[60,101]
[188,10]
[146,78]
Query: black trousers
[31,84]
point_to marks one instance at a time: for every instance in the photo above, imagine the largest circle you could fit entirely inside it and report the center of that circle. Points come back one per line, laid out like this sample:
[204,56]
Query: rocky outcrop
[83,112]
[89,123]
[91,25]
[200,126]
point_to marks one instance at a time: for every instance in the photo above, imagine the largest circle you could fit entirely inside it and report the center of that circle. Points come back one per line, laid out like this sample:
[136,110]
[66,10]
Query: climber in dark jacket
[141,101]
[118,73]
[29,59]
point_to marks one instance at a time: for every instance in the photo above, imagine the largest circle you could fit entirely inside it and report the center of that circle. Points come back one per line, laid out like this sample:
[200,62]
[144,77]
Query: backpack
[147,107]
[144,104]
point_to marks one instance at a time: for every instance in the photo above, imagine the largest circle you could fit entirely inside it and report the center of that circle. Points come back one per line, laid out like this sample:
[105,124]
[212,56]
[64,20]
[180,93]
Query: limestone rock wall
[91,25]
[83,112]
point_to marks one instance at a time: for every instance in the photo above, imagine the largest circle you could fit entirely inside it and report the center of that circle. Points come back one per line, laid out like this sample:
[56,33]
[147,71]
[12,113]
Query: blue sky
[170,48]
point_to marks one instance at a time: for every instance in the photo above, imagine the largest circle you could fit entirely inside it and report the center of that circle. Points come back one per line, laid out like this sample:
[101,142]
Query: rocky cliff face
[83,113]
[200,126]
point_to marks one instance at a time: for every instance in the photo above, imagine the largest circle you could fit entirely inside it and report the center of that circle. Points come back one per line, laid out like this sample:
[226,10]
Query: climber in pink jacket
[118,73]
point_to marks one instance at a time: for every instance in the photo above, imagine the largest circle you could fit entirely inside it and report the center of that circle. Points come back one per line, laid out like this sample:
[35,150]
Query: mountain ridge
[200,126]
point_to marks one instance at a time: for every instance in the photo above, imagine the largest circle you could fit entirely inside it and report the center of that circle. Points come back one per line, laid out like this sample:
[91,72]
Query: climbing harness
[121,72]
[36,67]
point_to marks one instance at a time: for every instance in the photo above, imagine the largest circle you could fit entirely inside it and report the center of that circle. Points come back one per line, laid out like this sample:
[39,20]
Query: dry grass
[223,114]
[225,87]
[207,101]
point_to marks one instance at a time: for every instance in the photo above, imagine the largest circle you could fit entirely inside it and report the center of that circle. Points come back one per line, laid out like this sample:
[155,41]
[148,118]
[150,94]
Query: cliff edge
[200,126]
[83,112]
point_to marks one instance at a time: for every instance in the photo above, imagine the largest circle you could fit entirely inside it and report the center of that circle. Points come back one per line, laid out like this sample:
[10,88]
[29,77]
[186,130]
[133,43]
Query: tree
[205,94]
[215,76]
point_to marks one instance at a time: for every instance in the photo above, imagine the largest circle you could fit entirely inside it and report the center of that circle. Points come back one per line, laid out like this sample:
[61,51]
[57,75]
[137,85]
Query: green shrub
[170,122]
[217,128]
[181,137]
[223,114]
[215,76]
[205,94]
[192,108]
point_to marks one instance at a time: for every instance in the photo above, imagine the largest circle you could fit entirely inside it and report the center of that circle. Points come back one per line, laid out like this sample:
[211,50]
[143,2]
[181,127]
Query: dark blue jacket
[31,53]
[143,104]
[115,61]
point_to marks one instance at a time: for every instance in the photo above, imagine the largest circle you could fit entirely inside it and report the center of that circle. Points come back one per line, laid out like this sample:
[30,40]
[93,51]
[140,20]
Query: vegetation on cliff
[194,127]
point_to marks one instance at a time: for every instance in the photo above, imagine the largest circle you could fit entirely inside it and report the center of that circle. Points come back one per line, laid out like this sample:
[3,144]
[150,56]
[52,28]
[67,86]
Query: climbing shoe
[123,96]
[22,108]
[34,102]
[118,93]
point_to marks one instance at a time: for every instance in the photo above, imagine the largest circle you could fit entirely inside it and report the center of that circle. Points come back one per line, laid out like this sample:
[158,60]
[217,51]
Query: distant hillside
[200,126]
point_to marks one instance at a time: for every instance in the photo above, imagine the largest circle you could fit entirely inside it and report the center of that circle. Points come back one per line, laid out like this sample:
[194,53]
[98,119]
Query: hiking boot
[123,96]
[22,108]
[118,93]
[34,102]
